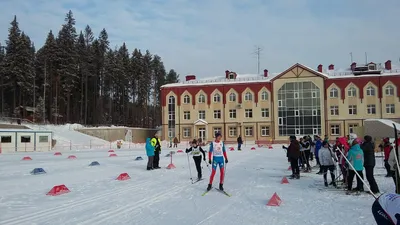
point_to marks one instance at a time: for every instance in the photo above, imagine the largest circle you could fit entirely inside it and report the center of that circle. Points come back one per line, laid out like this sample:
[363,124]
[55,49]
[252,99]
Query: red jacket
[386,149]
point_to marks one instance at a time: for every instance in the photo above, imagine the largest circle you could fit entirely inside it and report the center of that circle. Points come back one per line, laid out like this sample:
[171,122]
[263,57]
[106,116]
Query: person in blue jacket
[318,145]
[356,159]
[150,154]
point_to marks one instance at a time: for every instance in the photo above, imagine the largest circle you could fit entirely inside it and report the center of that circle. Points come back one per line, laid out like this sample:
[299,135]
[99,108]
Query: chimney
[388,65]
[190,77]
[320,68]
[265,73]
[331,67]
[353,66]
[227,74]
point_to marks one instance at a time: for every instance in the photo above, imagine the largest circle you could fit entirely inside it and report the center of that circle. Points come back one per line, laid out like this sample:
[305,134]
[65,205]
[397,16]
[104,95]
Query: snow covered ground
[167,196]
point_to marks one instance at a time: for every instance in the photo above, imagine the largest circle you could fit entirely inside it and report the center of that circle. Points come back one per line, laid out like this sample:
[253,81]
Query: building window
[296,112]
[232,97]
[334,110]
[390,109]
[186,115]
[334,93]
[217,130]
[315,131]
[232,113]
[265,112]
[186,99]
[315,112]
[296,95]
[171,116]
[352,110]
[352,92]
[231,76]
[217,114]
[389,90]
[248,131]
[264,131]
[5,139]
[248,113]
[248,97]
[186,132]
[202,114]
[43,139]
[314,94]
[280,103]
[370,91]
[202,98]
[297,131]
[264,96]
[280,121]
[371,109]
[335,130]
[217,98]
[232,132]
[352,128]
[26,139]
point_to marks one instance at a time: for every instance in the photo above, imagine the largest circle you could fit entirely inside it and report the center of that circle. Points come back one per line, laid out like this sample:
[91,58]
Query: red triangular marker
[274,200]
[284,180]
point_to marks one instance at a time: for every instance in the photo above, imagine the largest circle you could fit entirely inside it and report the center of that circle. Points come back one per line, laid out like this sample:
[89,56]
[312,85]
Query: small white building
[25,140]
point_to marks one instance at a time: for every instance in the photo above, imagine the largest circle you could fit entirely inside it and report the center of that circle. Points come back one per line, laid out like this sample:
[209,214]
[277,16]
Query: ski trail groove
[59,209]
[116,212]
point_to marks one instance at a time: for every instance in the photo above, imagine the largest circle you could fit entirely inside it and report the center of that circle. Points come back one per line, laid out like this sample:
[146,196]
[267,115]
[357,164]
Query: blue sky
[207,37]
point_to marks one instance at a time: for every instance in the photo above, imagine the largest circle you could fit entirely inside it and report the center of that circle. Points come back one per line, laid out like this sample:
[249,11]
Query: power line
[257,52]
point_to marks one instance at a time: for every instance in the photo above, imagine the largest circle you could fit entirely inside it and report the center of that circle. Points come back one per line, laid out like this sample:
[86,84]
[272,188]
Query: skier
[155,141]
[386,209]
[307,151]
[368,148]
[150,154]
[217,153]
[356,158]
[387,148]
[318,145]
[326,159]
[195,151]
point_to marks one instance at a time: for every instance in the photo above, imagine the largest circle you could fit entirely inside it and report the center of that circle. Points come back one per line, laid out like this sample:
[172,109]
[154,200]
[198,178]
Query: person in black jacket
[368,148]
[307,151]
[293,154]
[197,151]
[239,142]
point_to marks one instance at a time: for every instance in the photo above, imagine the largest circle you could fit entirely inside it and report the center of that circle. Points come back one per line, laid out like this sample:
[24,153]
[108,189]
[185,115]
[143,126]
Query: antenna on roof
[257,52]
[351,57]
[366,58]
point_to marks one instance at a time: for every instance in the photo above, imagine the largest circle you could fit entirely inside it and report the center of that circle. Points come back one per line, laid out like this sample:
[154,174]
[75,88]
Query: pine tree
[40,110]
[2,80]
[172,77]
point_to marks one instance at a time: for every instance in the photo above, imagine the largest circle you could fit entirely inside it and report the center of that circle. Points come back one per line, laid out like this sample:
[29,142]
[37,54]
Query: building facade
[270,107]
[25,140]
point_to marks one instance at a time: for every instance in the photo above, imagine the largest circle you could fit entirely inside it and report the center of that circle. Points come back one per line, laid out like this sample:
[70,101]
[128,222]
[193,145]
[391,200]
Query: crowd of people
[351,154]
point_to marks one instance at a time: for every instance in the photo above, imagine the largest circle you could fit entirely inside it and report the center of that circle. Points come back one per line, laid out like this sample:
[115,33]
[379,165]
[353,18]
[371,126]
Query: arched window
[334,93]
[232,97]
[217,98]
[186,99]
[370,91]
[264,96]
[171,116]
[202,98]
[352,92]
[248,96]
[389,90]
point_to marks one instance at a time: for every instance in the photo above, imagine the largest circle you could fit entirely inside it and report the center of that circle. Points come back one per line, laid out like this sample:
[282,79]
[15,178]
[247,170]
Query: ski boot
[209,187]
[221,187]
[334,184]
[297,176]
[326,184]
[291,176]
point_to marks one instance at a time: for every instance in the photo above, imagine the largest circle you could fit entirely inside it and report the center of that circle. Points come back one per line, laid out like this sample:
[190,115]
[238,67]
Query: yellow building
[270,107]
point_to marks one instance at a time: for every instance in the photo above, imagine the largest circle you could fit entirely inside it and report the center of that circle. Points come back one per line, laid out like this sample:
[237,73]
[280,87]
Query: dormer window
[372,66]
[231,76]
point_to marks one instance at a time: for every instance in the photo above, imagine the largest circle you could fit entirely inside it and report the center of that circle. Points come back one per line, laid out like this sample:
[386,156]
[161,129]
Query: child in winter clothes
[217,153]
[387,148]
[196,151]
[356,158]
[393,165]
[150,154]
[326,159]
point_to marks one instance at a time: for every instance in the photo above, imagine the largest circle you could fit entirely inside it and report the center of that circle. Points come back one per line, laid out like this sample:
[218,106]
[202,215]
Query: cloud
[207,37]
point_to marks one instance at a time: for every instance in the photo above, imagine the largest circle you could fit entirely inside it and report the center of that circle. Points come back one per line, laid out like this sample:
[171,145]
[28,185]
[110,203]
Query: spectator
[326,159]
[356,158]
[293,154]
[239,142]
[368,148]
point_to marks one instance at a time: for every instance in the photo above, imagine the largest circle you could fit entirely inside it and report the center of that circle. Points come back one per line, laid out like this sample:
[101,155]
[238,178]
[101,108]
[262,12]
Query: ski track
[45,214]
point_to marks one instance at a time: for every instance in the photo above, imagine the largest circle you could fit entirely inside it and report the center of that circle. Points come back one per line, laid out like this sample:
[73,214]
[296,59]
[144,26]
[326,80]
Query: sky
[207,37]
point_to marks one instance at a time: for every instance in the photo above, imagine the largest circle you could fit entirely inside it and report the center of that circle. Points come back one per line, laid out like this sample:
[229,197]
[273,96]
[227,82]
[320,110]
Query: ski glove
[187,151]
[226,160]
[209,161]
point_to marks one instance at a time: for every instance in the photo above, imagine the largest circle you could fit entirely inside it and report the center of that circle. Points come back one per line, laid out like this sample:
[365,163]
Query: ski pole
[190,170]
[362,180]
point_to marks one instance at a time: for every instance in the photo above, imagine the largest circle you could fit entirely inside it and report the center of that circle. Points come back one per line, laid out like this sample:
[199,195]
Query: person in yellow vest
[156,143]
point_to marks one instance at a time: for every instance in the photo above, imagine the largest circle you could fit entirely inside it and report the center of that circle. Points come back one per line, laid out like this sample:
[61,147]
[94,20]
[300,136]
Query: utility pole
[44,92]
[34,96]
[351,57]
[257,52]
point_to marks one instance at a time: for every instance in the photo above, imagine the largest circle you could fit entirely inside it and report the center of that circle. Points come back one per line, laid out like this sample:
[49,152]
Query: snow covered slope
[167,196]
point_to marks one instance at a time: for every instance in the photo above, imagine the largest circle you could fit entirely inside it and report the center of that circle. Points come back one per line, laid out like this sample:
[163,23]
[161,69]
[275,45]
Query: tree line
[78,78]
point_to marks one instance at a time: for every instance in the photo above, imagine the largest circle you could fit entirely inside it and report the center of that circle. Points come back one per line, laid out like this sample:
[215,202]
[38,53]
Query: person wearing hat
[197,151]
[387,148]
[327,160]
[156,143]
[217,153]
[293,154]
[356,158]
